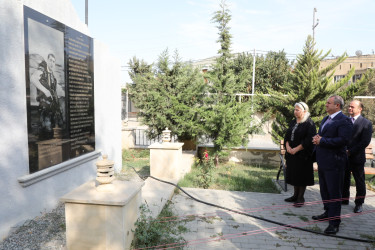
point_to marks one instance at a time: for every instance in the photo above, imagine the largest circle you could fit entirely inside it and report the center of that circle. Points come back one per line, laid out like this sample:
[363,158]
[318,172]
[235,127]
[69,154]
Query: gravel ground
[47,231]
[43,232]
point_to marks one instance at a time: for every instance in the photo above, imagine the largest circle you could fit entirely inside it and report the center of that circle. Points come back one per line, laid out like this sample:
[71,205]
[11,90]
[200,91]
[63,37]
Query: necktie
[353,120]
[327,121]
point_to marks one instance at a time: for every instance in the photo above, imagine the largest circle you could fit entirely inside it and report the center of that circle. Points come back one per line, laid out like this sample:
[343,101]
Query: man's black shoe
[291,199]
[345,202]
[358,209]
[320,217]
[331,229]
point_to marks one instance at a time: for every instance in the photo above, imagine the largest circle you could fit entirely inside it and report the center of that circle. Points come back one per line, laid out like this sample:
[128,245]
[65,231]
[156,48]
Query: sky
[145,28]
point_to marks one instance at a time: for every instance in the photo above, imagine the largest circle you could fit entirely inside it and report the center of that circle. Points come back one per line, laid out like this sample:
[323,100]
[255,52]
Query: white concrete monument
[165,158]
[101,214]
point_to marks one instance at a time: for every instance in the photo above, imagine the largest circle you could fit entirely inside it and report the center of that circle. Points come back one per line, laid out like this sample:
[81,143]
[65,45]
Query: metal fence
[141,139]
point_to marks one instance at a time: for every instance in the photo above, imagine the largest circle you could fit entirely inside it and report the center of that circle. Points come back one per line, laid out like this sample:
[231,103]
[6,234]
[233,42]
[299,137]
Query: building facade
[360,63]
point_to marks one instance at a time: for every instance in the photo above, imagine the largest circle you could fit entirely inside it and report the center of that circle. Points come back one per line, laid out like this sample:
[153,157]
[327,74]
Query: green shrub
[205,168]
[151,232]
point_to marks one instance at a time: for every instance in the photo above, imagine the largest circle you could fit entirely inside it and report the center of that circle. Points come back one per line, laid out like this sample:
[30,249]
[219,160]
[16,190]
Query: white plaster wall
[18,203]
[107,93]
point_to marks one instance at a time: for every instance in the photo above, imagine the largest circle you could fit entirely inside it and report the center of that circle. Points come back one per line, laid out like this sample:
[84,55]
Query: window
[338,78]
[356,77]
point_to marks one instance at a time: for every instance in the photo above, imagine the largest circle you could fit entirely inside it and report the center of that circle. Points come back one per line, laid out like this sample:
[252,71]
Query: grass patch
[227,176]
[303,218]
[218,235]
[316,177]
[137,159]
[367,180]
[238,177]
[315,228]
[209,219]
[289,214]
[281,234]
[352,181]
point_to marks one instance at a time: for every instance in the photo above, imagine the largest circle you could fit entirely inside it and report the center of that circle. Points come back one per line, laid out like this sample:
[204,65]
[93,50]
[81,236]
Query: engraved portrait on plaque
[59,89]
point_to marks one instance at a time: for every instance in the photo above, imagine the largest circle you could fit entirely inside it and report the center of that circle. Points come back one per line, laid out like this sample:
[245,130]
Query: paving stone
[265,235]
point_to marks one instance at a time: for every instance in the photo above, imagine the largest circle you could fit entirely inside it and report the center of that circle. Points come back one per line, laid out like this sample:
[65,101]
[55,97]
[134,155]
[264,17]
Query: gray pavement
[214,228]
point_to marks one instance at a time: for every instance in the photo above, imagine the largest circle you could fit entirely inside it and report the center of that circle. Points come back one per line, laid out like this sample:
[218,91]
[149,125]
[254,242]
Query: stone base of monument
[102,218]
[165,160]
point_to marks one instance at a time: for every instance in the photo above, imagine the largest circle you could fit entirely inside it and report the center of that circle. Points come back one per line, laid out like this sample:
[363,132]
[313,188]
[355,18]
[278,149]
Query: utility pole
[314,25]
[87,12]
[253,82]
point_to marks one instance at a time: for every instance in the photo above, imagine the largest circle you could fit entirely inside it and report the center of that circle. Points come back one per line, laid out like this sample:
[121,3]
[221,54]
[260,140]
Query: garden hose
[253,216]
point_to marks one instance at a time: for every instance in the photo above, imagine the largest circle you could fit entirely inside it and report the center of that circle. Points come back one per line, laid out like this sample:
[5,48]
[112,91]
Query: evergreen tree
[227,121]
[310,84]
[168,95]
[369,103]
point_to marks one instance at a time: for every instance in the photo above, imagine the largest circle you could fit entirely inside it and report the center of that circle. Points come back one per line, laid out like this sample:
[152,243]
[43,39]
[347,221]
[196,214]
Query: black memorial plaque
[59,89]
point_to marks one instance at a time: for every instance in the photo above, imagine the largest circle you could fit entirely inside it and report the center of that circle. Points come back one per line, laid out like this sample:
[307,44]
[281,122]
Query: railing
[141,139]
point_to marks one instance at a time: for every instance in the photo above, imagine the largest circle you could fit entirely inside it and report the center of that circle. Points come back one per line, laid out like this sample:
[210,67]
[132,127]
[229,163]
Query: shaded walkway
[242,232]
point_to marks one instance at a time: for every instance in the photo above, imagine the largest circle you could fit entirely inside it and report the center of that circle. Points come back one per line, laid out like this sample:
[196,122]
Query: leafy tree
[243,69]
[271,71]
[312,85]
[170,94]
[227,121]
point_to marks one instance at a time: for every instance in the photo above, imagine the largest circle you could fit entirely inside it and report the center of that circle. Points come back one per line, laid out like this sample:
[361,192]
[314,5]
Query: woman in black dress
[299,147]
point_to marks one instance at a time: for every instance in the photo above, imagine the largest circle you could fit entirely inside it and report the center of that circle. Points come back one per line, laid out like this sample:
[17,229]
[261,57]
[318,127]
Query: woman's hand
[288,148]
[295,150]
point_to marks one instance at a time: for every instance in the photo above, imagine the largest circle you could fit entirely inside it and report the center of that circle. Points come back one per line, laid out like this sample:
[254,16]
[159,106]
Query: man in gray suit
[361,138]
[330,147]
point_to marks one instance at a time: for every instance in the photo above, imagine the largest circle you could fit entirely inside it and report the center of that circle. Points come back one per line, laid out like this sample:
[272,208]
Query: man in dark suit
[330,147]
[361,138]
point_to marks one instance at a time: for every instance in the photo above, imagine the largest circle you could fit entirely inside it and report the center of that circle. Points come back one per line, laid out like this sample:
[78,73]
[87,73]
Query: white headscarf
[303,106]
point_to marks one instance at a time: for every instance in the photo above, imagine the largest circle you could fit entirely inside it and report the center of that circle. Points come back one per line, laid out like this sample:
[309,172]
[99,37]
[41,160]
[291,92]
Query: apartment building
[360,63]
